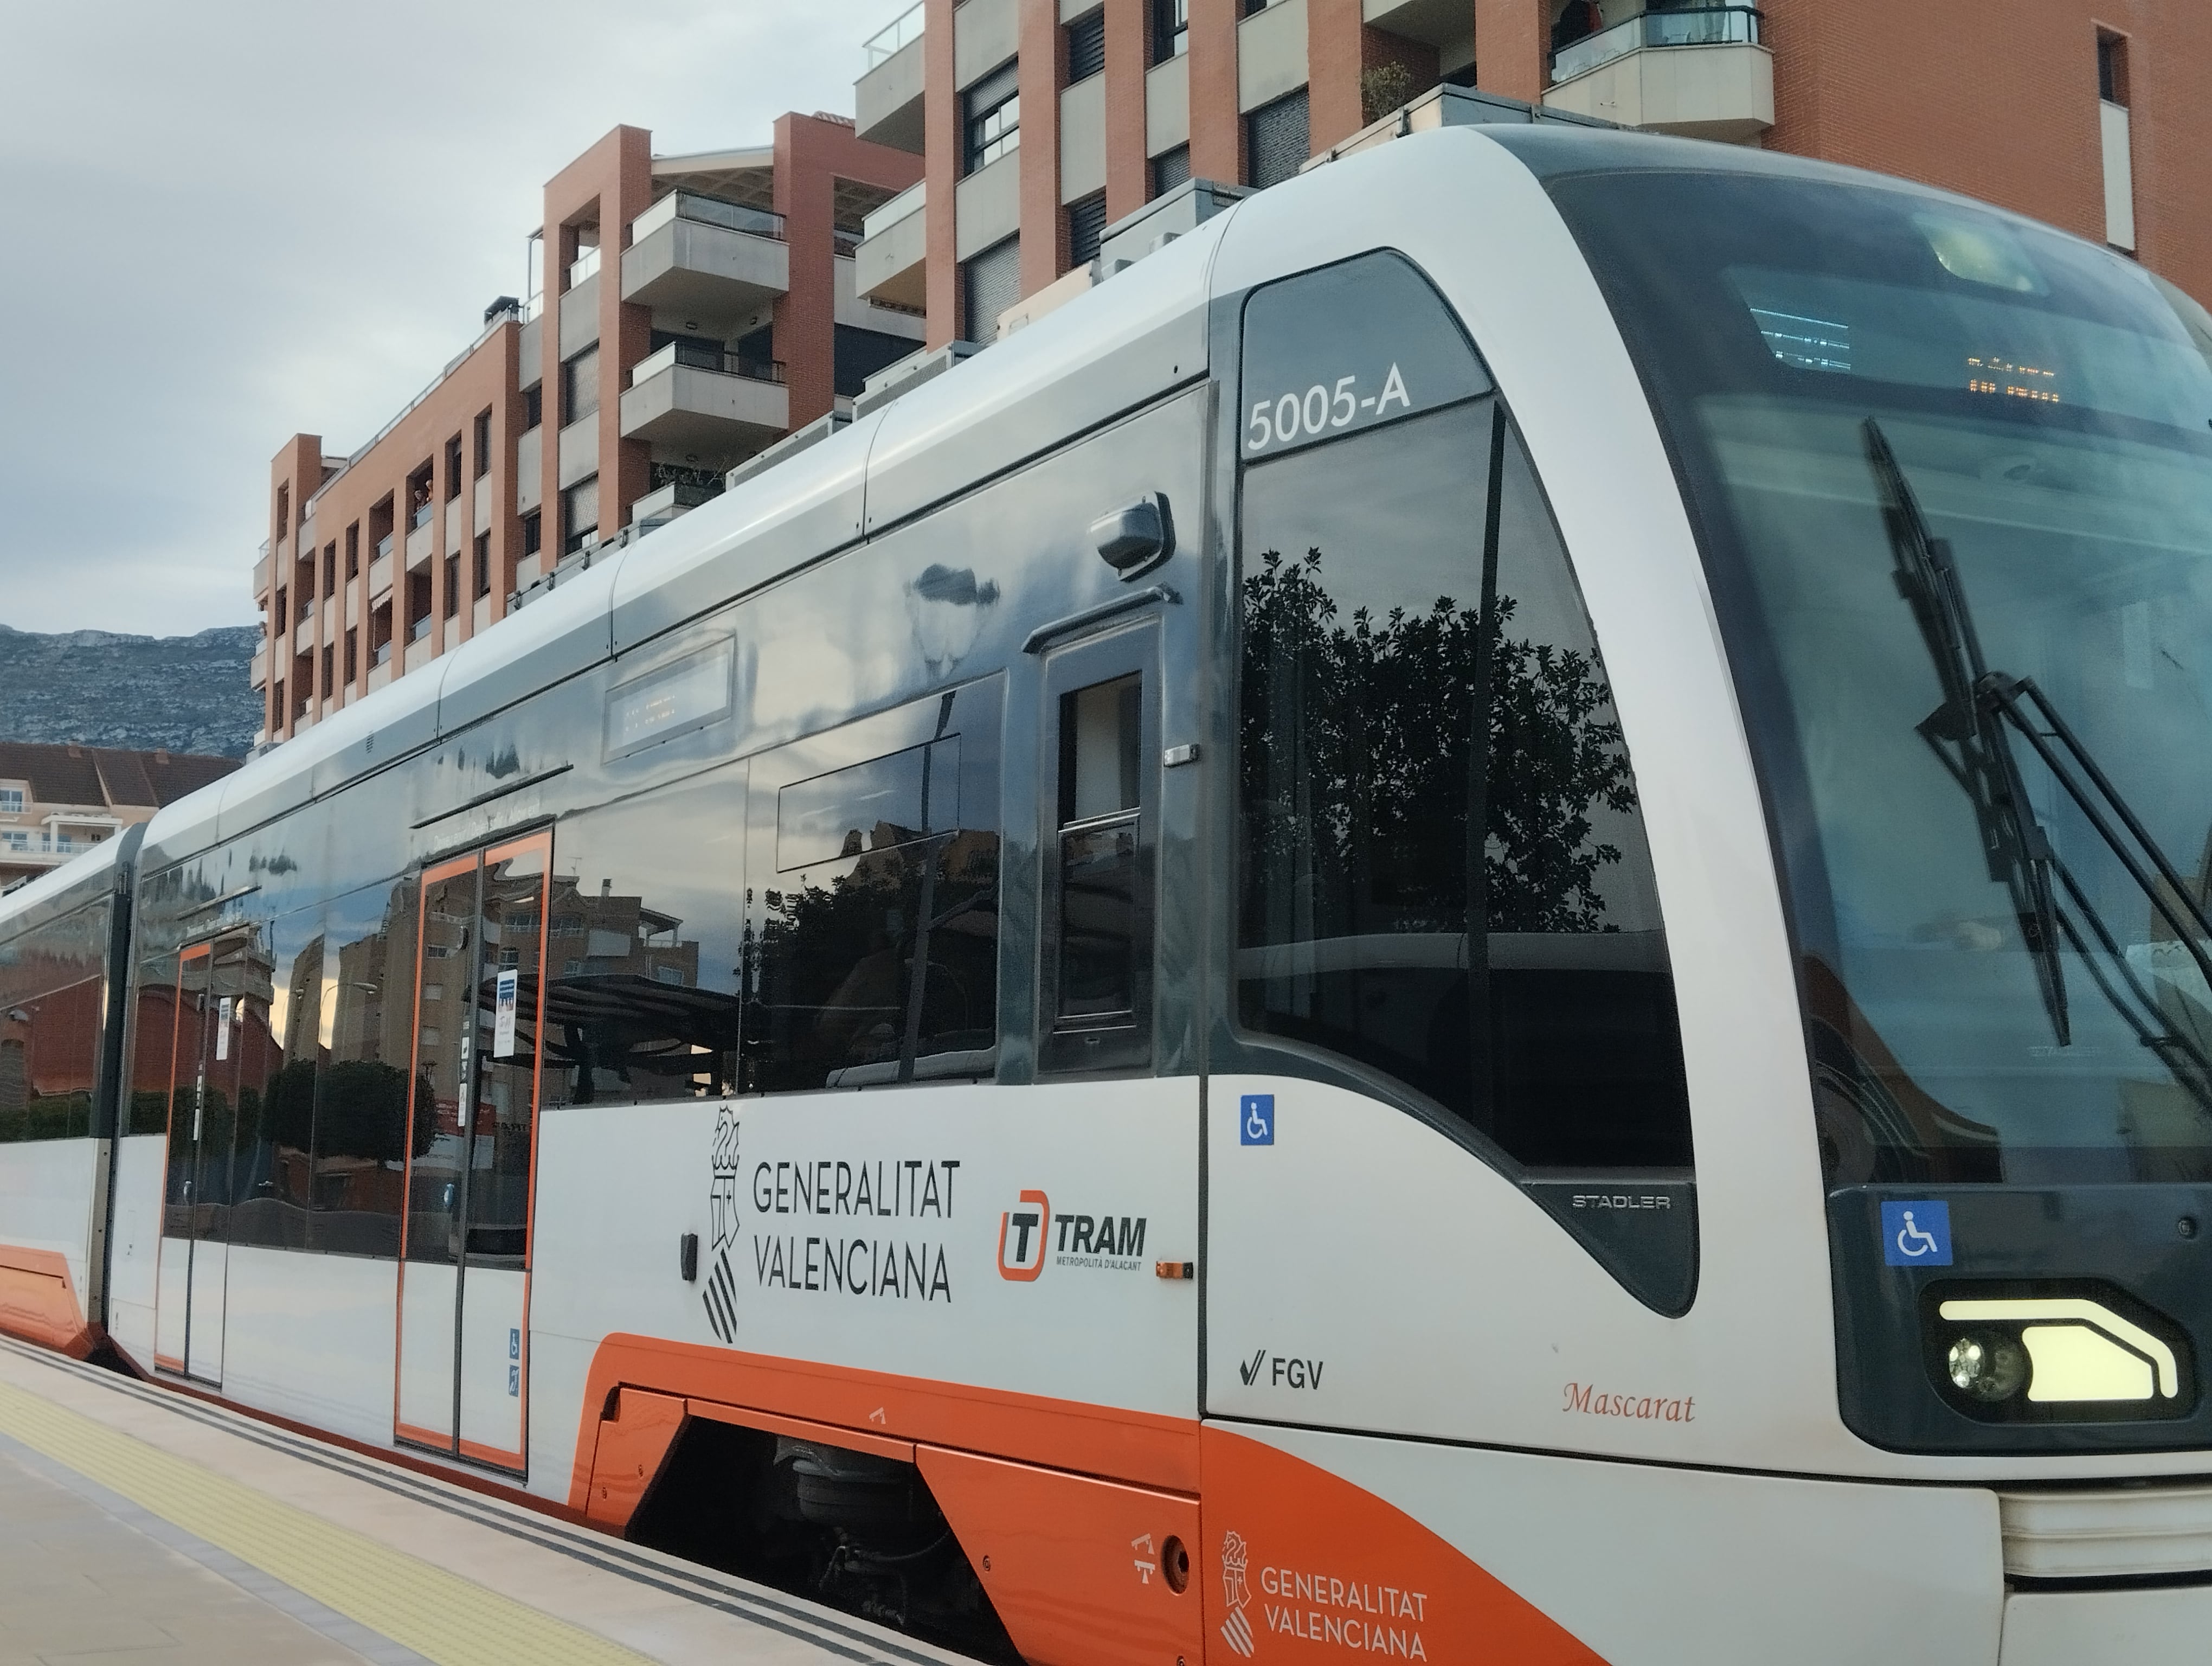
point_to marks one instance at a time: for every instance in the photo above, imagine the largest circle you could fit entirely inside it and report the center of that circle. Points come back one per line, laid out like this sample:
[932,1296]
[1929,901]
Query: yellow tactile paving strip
[438,1614]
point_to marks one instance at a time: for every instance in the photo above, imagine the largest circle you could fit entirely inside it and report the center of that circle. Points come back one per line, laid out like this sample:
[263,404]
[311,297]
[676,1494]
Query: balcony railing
[383,547]
[383,654]
[913,198]
[1690,25]
[694,357]
[706,210]
[585,266]
[903,31]
[419,629]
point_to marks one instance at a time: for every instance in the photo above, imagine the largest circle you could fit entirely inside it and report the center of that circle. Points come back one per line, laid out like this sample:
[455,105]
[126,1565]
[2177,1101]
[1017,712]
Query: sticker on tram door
[1022,1231]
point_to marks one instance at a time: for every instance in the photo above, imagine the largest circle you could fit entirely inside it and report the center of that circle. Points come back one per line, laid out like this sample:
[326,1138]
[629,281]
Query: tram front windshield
[1922,439]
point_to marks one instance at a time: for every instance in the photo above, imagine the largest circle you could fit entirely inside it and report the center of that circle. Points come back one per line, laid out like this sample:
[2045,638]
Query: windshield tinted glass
[1990,993]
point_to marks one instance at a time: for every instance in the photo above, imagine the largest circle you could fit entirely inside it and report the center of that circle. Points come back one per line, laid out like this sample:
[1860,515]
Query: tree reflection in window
[1519,979]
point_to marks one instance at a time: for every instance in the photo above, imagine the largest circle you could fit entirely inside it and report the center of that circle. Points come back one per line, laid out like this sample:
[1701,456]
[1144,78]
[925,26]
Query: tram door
[464,1371]
[215,1028]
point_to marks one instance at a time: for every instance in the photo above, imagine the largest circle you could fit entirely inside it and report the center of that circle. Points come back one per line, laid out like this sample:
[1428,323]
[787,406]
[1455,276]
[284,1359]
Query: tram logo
[1030,1234]
[1235,1556]
[1022,1231]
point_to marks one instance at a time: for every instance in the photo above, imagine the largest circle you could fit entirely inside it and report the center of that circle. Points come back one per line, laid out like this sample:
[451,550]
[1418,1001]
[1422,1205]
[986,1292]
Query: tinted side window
[51,990]
[872,901]
[357,1168]
[276,1134]
[1446,875]
[646,939]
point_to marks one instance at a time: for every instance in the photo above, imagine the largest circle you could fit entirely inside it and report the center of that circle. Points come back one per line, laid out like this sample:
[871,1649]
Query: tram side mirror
[1136,538]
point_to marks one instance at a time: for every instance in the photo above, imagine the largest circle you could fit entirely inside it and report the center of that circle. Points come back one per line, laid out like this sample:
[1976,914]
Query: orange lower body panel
[628,1456]
[1082,1572]
[38,1301]
[1303,1565]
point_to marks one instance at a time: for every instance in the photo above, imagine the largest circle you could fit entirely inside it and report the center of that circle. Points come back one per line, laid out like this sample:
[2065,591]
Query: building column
[1128,169]
[1043,72]
[1336,56]
[940,127]
[1217,126]
[1512,47]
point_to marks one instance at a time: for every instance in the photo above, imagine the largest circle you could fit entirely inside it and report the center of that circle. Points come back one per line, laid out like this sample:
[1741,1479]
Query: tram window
[647,930]
[357,1171]
[872,944]
[51,982]
[1519,979]
[1099,925]
[277,1099]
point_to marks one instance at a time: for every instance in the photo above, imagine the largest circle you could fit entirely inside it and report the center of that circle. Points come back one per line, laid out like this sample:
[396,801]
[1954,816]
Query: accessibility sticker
[1916,1234]
[1255,1119]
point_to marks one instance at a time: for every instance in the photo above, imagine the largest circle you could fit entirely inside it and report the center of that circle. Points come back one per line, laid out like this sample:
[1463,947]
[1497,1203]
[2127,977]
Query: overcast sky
[238,220]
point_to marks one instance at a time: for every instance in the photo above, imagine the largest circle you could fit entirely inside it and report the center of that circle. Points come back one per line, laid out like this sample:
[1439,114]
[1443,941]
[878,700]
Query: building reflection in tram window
[357,1165]
[873,953]
[51,1006]
[276,1134]
[642,947]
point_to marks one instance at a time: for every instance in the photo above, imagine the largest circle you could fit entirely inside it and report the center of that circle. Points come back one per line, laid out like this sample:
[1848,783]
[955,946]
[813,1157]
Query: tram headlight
[1988,1364]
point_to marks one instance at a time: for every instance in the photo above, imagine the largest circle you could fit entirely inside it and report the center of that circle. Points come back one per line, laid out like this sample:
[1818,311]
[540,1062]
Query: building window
[277,706]
[452,468]
[990,283]
[282,618]
[483,444]
[13,795]
[331,568]
[1086,222]
[580,385]
[1171,29]
[283,509]
[353,551]
[352,658]
[580,515]
[484,564]
[452,587]
[533,533]
[2116,141]
[1170,169]
[994,117]
[1087,47]
[533,406]
[860,353]
[1275,140]
[2112,68]
[329,669]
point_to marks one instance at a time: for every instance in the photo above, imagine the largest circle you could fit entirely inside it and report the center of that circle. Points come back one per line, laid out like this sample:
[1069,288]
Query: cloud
[233,222]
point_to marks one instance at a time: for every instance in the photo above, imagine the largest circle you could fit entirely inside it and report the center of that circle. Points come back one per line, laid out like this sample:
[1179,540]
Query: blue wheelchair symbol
[514,1381]
[1255,1120]
[514,1345]
[1916,1234]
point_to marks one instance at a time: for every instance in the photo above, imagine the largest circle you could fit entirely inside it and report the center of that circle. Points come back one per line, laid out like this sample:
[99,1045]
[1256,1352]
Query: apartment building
[57,802]
[681,312]
[1045,124]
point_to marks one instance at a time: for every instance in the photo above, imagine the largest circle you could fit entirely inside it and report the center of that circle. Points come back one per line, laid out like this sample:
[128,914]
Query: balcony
[708,264]
[261,576]
[1700,72]
[584,267]
[697,399]
[418,545]
[664,503]
[887,98]
[888,265]
[256,675]
[380,573]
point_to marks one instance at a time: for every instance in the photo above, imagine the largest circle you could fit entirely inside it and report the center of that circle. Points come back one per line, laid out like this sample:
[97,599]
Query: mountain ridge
[104,687]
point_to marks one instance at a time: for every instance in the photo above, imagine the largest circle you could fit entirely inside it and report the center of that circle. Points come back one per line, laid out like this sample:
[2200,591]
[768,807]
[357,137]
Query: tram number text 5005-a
[1323,409]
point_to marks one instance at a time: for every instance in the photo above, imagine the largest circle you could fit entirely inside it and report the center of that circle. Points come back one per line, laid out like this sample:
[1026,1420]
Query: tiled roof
[85,776]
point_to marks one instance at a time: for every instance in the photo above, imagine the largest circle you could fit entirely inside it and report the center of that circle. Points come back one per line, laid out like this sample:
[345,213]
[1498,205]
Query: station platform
[141,1524]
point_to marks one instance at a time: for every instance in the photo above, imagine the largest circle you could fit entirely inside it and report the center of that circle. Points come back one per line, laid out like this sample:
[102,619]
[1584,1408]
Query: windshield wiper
[1967,735]
[1971,733]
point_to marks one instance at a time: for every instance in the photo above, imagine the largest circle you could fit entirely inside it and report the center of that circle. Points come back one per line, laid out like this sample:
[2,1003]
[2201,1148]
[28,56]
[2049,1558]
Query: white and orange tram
[1469,924]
